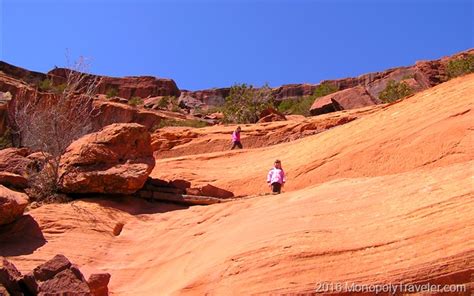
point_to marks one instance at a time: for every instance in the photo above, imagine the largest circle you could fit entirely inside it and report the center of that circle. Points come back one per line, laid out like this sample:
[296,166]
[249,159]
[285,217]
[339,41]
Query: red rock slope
[383,199]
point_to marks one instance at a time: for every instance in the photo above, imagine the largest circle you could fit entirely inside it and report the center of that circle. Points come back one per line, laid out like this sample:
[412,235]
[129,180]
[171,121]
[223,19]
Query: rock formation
[115,160]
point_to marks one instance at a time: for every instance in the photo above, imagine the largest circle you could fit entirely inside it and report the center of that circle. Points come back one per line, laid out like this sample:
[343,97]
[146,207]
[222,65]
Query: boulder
[98,284]
[12,205]
[9,277]
[271,114]
[115,160]
[352,98]
[13,180]
[15,160]
[57,276]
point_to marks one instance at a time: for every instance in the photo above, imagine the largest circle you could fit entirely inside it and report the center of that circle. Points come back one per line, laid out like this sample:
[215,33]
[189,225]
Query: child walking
[236,139]
[276,177]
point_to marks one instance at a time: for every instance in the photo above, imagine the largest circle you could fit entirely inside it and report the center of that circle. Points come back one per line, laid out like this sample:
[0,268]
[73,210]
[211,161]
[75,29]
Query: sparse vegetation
[299,106]
[460,66]
[395,91]
[49,124]
[244,103]
[135,101]
[45,85]
[111,92]
[324,89]
[302,105]
[188,122]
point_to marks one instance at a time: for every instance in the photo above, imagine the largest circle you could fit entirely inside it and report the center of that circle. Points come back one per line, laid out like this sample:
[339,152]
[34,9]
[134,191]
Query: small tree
[244,103]
[49,123]
[395,91]
[460,66]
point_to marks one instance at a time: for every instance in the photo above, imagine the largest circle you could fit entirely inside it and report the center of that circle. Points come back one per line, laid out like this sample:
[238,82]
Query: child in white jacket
[276,177]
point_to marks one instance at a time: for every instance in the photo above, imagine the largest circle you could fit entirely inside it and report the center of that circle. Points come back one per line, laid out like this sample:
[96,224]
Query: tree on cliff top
[50,122]
[244,103]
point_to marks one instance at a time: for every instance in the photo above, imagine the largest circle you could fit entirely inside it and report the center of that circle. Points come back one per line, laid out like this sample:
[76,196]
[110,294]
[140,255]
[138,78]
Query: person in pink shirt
[276,177]
[236,139]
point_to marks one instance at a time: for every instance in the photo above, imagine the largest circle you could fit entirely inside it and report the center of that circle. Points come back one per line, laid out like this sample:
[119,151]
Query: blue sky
[204,44]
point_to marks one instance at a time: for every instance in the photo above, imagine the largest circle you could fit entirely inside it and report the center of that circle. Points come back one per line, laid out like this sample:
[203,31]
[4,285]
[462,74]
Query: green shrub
[324,89]
[111,92]
[395,91]
[460,66]
[188,122]
[298,106]
[244,103]
[46,85]
[60,88]
[135,101]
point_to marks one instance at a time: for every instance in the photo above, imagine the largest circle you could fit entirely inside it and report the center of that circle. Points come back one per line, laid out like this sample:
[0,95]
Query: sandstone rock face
[271,114]
[110,112]
[129,87]
[115,160]
[210,97]
[12,205]
[352,98]
[293,90]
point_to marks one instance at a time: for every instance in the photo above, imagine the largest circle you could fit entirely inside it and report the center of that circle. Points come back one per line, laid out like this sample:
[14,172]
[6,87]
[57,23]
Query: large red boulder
[115,160]
[12,205]
[351,98]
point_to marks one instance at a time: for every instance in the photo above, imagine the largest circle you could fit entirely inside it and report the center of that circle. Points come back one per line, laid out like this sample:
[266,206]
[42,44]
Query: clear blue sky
[204,44]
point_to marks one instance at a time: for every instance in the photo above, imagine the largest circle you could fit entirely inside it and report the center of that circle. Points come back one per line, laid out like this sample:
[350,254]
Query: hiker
[276,177]
[236,139]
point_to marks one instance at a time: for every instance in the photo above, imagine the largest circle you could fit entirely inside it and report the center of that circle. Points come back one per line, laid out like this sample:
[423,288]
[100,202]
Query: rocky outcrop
[129,87]
[271,114]
[110,112]
[352,98]
[180,191]
[12,205]
[211,97]
[115,160]
[57,276]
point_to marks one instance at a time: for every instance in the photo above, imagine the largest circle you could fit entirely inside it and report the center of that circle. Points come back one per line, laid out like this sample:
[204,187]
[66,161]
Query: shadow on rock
[21,237]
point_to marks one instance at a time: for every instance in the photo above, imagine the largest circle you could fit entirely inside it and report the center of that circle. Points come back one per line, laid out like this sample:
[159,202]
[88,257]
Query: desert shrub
[60,88]
[45,85]
[111,92]
[460,66]
[302,105]
[298,106]
[135,101]
[188,122]
[49,125]
[395,91]
[324,89]
[244,103]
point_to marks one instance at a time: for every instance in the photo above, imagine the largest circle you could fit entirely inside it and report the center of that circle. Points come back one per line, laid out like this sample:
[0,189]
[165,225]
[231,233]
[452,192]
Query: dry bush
[49,123]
